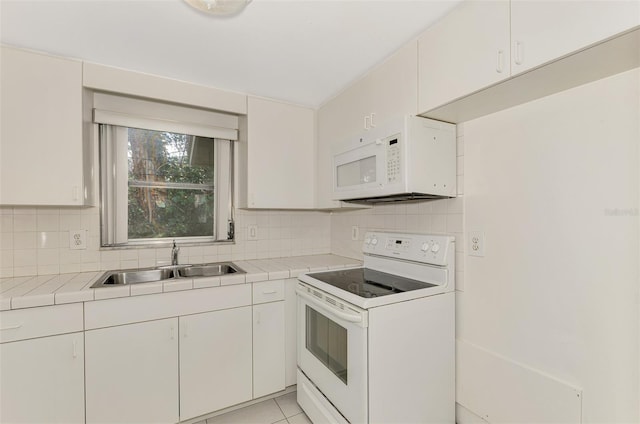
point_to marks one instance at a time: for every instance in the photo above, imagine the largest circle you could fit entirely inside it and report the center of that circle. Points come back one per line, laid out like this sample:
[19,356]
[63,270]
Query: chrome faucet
[174,254]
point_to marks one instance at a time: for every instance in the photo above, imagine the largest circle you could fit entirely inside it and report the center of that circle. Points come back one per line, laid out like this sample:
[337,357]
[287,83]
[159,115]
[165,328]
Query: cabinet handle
[367,122]
[75,349]
[269,292]
[14,327]
[373,115]
[172,333]
[500,62]
[518,53]
[185,333]
[257,317]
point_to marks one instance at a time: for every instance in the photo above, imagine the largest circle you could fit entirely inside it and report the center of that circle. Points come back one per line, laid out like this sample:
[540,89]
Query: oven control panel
[427,248]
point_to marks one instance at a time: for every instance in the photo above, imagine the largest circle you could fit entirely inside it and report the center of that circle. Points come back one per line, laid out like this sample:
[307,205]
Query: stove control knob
[374,241]
[435,248]
[425,247]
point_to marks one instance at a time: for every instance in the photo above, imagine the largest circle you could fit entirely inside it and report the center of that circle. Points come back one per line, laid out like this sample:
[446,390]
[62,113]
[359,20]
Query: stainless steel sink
[135,276]
[210,270]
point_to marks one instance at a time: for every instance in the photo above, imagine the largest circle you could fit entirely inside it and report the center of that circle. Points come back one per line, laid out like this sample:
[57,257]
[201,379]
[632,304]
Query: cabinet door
[279,159]
[343,116]
[42,380]
[545,30]
[132,373]
[394,86]
[215,361]
[464,52]
[268,348]
[41,156]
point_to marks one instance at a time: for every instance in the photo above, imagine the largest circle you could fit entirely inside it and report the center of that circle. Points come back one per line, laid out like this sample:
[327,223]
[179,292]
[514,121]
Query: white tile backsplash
[440,216]
[48,222]
[24,240]
[23,223]
[35,241]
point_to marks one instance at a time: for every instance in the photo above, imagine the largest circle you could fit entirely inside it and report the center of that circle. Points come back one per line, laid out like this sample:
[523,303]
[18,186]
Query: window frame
[113,160]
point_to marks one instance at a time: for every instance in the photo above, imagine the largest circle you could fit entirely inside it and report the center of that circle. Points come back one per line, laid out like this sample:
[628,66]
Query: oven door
[332,350]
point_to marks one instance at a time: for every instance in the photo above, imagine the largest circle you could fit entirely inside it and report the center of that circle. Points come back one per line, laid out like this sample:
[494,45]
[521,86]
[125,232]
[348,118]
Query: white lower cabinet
[42,380]
[169,370]
[268,348]
[215,361]
[160,358]
[132,373]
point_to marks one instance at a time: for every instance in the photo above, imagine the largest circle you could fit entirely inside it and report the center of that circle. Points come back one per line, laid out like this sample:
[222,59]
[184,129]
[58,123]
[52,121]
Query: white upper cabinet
[464,52]
[482,43]
[388,91]
[542,31]
[42,155]
[276,156]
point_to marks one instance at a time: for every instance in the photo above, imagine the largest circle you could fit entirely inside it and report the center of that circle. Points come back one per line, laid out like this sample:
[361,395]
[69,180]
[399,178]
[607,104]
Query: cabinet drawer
[128,310]
[30,323]
[268,291]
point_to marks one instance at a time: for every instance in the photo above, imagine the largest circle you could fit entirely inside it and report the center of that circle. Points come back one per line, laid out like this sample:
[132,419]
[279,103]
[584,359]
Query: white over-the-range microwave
[404,159]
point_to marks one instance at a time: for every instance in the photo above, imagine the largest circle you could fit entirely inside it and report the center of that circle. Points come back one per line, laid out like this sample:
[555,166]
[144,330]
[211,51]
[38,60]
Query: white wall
[554,184]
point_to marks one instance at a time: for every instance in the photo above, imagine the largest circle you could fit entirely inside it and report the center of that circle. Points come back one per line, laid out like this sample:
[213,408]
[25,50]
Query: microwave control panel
[393,159]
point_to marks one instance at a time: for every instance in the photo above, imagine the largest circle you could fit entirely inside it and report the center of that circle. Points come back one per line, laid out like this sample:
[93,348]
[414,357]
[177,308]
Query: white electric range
[376,344]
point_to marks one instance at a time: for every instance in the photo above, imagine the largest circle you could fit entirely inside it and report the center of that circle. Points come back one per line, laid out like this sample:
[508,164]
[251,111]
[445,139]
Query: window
[161,185]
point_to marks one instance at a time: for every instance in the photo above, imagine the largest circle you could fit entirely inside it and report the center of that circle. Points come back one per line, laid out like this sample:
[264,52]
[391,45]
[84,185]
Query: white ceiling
[301,51]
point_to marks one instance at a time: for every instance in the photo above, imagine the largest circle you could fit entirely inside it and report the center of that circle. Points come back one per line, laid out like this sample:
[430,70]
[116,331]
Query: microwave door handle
[342,315]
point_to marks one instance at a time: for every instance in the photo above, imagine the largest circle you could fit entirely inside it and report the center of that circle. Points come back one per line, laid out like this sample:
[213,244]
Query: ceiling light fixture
[219,7]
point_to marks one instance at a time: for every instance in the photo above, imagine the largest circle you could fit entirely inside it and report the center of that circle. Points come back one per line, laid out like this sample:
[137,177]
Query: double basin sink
[135,276]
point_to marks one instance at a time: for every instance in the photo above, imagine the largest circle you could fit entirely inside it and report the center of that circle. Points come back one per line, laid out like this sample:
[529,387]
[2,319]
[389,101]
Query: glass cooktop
[368,283]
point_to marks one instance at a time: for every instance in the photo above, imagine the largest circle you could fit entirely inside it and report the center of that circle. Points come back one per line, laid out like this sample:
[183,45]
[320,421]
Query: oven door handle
[342,315]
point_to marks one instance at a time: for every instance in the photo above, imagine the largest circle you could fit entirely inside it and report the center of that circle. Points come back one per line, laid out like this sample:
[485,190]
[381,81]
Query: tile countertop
[43,290]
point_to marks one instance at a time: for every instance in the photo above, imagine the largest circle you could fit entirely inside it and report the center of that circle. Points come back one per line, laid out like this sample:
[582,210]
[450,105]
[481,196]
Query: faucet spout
[174,254]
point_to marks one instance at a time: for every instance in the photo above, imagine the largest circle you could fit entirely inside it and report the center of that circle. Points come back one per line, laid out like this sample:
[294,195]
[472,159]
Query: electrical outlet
[252,232]
[77,239]
[476,243]
[355,232]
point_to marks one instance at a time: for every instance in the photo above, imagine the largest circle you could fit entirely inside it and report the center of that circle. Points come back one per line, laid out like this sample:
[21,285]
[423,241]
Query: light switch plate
[252,232]
[476,243]
[77,239]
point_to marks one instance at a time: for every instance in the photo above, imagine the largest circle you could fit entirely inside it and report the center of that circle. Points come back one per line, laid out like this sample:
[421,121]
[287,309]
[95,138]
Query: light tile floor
[281,410]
